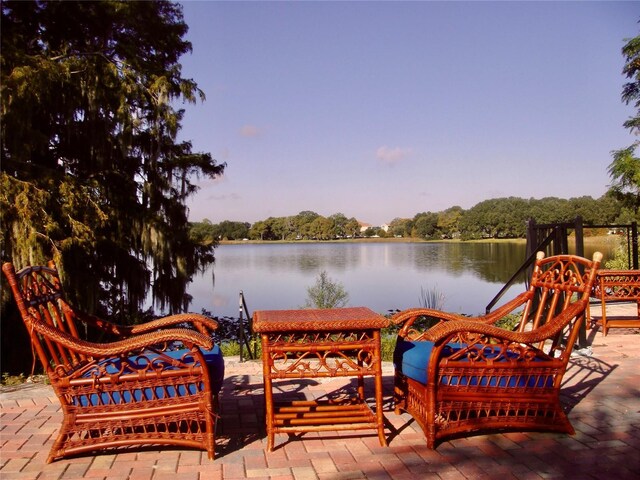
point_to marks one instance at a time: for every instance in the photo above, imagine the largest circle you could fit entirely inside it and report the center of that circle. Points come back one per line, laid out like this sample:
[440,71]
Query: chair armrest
[121,331]
[408,317]
[204,325]
[444,331]
[138,342]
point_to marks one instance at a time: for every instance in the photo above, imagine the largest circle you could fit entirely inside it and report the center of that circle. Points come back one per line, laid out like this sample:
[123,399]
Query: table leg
[603,320]
[378,388]
[268,392]
[360,389]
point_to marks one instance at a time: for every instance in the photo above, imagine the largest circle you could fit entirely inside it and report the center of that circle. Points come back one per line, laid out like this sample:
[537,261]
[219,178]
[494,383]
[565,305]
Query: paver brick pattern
[602,396]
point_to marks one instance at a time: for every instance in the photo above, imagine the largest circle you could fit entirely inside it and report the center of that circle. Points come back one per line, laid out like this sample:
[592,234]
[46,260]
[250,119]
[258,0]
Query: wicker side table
[340,342]
[618,286]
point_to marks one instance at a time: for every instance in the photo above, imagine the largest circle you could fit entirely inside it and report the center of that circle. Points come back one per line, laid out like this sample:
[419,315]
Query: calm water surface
[381,276]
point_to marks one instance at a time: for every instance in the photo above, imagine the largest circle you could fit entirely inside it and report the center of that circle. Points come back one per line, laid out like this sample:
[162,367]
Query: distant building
[364,226]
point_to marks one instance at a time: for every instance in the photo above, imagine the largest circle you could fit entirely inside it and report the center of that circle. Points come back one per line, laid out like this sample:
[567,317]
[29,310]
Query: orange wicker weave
[155,385]
[617,286]
[465,375]
[336,342]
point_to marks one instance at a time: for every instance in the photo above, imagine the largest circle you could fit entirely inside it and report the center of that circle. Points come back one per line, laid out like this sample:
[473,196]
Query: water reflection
[493,262]
[382,276]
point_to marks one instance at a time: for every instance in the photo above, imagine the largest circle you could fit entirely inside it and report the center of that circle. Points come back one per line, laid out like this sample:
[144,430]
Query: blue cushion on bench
[215,364]
[412,359]
[213,359]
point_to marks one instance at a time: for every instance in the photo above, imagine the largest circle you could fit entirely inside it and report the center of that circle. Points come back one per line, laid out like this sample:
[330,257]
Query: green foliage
[508,322]
[207,232]
[498,218]
[387,345]
[352,228]
[230,348]
[624,170]
[625,173]
[306,225]
[400,227]
[448,222]
[507,217]
[10,380]
[92,174]
[620,260]
[503,218]
[425,225]
[339,225]
[432,298]
[326,293]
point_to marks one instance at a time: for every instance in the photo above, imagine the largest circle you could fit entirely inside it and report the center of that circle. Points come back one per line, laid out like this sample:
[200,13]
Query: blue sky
[385,109]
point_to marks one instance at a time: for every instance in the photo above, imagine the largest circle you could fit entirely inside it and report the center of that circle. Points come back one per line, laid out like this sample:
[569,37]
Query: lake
[381,276]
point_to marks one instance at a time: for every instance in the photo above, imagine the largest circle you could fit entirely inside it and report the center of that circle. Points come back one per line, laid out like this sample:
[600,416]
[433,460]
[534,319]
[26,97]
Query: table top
[618,273]
[328,319]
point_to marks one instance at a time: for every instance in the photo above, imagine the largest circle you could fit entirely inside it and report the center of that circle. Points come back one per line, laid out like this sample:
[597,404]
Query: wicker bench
[617,286]
[155,384]
[465,375]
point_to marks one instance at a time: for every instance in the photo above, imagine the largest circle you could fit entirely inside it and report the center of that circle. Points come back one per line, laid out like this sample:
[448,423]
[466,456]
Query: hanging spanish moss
[92,173]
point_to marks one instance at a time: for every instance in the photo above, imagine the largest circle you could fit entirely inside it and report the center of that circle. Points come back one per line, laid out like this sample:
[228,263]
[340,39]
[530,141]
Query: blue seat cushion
[215,365]
[123,366]
[412,359]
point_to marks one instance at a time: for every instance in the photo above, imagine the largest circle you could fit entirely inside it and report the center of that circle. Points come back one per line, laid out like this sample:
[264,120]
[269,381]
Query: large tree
[92,172]
[625,168]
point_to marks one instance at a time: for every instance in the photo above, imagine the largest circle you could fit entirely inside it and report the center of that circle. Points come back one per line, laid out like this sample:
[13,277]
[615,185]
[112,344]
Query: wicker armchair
[465,375]
[156,384]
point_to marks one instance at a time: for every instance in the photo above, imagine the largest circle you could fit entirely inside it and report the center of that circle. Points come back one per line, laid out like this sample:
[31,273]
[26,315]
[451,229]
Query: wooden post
[579,231]
[634,244]
[559,239]
[532,237]
[241,327]
[579,236]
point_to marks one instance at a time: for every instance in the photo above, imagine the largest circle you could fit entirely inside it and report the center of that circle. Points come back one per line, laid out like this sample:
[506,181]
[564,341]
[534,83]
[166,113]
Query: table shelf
[298,415]
[300,344]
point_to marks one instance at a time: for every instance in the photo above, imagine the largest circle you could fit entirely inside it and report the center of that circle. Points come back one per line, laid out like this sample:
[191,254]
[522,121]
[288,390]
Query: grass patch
[8,380]
[11,380]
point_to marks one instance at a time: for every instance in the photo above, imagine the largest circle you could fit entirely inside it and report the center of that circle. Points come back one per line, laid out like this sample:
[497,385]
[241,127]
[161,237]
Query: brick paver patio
[602,396]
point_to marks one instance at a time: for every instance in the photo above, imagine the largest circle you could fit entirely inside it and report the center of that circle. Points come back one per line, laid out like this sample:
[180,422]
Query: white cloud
[250,131]
[392,156]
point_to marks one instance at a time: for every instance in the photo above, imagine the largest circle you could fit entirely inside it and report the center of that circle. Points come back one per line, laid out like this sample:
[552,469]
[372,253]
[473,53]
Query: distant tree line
[306,225]
[495,218]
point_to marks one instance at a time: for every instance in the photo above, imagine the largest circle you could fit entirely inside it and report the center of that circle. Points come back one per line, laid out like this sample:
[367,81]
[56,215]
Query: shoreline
[587,240]
[367,240]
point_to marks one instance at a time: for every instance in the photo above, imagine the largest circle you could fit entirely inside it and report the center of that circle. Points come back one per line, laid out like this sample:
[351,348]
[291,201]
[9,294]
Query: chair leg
[399,393]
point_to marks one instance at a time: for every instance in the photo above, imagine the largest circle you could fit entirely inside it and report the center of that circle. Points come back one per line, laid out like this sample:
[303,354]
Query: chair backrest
[37,291]
[557,282]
